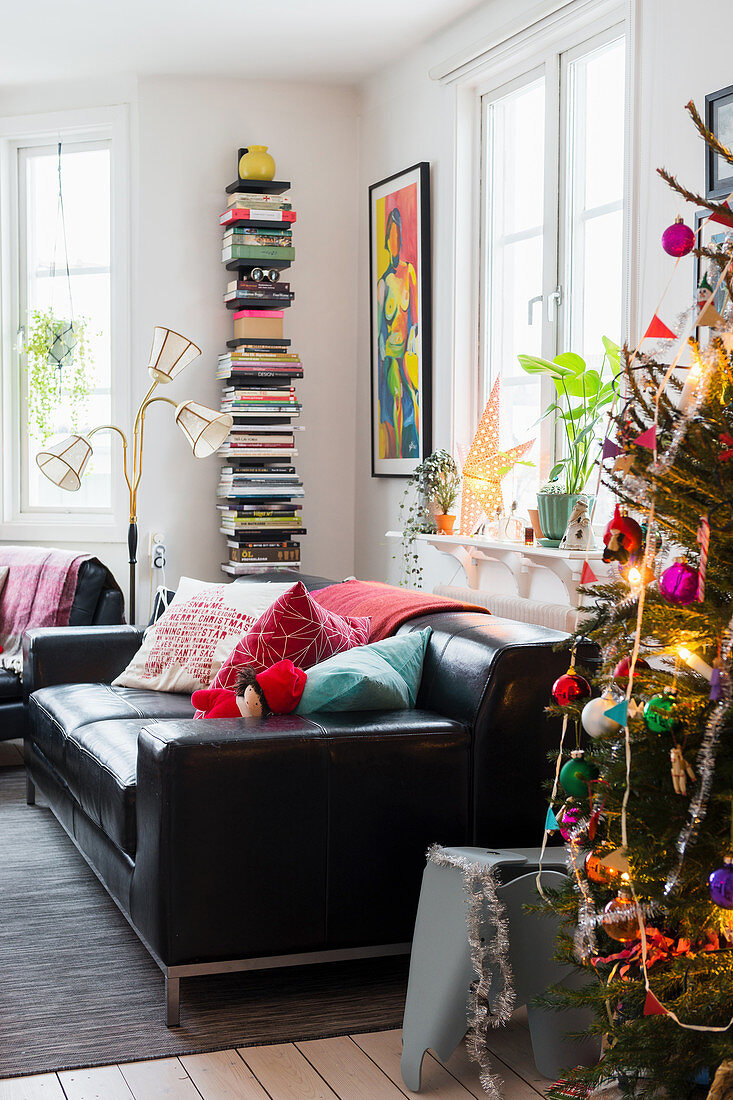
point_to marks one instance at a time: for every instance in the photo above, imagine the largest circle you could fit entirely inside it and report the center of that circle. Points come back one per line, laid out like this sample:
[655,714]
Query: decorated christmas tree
[646,805]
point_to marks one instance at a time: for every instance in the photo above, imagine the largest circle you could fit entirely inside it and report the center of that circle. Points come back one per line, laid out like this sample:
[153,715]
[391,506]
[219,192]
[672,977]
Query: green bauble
[660,713]
[576,775]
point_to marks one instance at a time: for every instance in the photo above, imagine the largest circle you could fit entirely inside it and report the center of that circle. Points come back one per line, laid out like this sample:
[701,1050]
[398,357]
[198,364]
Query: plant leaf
[570,360]
[533,364]
[557,469]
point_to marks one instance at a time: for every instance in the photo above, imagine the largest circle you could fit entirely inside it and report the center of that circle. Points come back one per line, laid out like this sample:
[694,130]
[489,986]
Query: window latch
[554,301]
[530,308]
[20,339]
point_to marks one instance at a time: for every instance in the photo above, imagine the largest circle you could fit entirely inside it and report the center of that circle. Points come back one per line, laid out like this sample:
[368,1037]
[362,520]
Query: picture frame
[400,298]
[711,233]
[719,119]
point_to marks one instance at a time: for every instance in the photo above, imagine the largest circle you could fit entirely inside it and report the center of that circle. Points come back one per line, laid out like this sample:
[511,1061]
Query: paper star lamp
[485,466]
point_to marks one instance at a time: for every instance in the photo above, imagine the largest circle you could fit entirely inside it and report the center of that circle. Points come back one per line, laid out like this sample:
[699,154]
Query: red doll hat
[283,686]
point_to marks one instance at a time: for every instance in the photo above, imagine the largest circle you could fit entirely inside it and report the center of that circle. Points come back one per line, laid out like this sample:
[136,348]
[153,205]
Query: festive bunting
[658,330]
[647,438]
[486,465]
[723,218]
[611,449]
[619,713]
[551,822]
[623,464]
[727,441]
[652,1006]
[587,575]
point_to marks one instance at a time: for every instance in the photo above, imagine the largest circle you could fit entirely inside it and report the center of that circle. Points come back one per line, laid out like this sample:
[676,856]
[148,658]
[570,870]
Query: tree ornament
[720,884]
[598,871]
[569,820]
[576,774]
[621,671]
[570,687]
[678,239]
[620,918]
[660,713]
[594,719]
[622,538]
[681,770]
[679,583]
[708,313]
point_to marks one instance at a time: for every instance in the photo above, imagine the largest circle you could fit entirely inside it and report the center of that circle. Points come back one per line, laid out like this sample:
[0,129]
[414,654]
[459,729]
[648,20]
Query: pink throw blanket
[39,591]
[388,607]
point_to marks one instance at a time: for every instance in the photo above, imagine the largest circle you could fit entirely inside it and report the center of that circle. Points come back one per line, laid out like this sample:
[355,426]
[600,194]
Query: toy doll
[277,690]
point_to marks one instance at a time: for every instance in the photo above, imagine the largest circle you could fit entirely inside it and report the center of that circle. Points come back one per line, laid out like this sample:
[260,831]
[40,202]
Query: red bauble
[678,239]
[598,871]
[679,583]
[570,687]
[621,671]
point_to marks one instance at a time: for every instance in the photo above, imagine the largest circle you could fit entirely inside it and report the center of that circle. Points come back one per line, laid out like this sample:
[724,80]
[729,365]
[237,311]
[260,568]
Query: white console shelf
[520,560]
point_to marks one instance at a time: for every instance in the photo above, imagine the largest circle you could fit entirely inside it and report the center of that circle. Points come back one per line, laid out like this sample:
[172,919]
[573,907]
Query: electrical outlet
[158,549]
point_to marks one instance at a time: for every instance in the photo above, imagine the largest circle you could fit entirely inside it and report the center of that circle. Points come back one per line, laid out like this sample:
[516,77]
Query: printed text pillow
[185,648]
[294,627]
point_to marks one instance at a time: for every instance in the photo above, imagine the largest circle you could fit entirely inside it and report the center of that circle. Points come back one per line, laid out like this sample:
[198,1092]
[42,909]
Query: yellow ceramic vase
[256,164]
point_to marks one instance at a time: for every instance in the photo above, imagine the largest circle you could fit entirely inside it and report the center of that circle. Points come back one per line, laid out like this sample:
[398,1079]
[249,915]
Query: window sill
[54,529]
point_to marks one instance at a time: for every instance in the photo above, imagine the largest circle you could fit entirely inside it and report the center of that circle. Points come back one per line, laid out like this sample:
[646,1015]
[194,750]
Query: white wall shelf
[520,560]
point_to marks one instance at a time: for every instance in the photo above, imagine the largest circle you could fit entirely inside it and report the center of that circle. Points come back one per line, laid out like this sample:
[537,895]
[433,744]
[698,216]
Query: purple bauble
[569,820]
[679,583]
[720,884]
[678,239]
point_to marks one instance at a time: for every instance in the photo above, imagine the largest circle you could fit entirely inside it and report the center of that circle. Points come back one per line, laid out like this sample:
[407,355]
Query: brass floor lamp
[205,429]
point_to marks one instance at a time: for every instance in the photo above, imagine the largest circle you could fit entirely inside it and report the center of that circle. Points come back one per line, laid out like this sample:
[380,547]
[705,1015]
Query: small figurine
[578,533]
[681,771]
[277,690]
[716,681]
[622,538]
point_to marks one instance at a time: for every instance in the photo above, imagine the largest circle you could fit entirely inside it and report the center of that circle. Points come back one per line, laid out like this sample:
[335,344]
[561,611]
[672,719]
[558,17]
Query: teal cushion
[382,676]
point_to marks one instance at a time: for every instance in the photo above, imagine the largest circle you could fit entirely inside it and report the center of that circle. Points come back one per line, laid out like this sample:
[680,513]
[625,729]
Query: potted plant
[430,493]
[59,368]
[582,395]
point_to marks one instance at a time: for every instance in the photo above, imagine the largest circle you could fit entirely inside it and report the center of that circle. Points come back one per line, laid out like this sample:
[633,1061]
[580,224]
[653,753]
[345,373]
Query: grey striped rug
[78,989]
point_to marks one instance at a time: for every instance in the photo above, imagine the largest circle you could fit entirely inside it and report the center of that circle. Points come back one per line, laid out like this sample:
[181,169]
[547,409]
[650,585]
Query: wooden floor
[358,1067]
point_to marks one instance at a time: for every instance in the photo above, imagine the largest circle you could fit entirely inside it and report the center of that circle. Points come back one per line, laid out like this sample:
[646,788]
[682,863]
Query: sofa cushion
[101,773]
[60,710]
[10,685]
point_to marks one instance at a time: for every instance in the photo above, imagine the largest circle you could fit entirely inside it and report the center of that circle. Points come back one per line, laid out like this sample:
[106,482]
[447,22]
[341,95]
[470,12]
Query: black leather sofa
[97,600]
[241,844]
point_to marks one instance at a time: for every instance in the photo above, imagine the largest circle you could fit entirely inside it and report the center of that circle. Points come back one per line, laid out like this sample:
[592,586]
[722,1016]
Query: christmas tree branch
[707,135]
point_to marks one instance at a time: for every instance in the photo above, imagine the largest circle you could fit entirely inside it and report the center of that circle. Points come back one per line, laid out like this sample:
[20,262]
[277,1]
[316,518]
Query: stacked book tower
[260,493]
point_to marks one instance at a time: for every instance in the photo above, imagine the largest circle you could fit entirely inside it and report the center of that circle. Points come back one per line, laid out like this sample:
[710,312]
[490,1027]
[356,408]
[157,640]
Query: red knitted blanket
[39,591]
[388,607]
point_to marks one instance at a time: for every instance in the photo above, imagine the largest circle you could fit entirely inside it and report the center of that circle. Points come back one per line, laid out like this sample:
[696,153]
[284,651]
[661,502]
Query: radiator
[557,616]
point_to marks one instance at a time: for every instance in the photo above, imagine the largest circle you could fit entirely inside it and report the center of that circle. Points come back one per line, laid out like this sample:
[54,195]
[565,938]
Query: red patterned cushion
[295,627]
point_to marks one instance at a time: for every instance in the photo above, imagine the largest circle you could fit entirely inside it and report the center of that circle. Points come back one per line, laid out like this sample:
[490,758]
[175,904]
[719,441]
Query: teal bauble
[576,775]
[660,713]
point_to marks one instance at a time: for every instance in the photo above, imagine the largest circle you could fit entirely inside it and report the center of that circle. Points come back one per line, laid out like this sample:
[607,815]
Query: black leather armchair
[97,600]
[236,844]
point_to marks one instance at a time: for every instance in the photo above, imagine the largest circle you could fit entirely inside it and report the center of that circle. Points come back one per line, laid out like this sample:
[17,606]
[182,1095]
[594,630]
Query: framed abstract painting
[400,300]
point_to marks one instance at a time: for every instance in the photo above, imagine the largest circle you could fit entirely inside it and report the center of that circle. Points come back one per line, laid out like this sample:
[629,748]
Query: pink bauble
[679,583]
[678,239]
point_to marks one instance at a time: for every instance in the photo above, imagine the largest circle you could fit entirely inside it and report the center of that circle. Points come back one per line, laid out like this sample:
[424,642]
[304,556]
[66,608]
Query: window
[50,230]
[90,230]
[552,230]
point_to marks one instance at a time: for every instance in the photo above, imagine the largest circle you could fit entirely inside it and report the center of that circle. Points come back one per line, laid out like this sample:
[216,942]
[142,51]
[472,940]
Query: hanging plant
[434,481]
[60,370]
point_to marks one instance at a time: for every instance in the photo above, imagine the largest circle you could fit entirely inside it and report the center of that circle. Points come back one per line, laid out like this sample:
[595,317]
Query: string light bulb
[695,662]
[689,390]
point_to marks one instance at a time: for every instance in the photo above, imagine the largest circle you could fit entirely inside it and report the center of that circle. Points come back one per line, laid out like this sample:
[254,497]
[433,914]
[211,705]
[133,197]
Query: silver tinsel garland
[489,955]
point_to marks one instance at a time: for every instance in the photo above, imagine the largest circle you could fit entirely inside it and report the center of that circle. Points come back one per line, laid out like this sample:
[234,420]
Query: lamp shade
[65,462]
[169,354]
[204,428]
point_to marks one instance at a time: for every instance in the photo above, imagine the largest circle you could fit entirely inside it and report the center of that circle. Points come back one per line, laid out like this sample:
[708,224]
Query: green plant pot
[555,510]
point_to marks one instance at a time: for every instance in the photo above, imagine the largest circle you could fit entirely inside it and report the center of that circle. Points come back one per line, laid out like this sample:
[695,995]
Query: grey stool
[441,970]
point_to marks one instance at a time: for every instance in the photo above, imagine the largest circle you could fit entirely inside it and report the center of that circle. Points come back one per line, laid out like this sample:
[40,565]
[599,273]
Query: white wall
[185,136]
[407,117]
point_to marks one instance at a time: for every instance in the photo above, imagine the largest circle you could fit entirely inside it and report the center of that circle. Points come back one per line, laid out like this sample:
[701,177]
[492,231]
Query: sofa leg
[172,1002]
[30,791]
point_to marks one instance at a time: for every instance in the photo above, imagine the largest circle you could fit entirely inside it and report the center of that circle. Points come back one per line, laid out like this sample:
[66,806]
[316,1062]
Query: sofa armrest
[290,834]
[76,654]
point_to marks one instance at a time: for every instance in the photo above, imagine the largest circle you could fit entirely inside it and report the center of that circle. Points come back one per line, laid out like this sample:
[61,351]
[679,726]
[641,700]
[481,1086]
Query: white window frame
[93,124]
[500,63]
